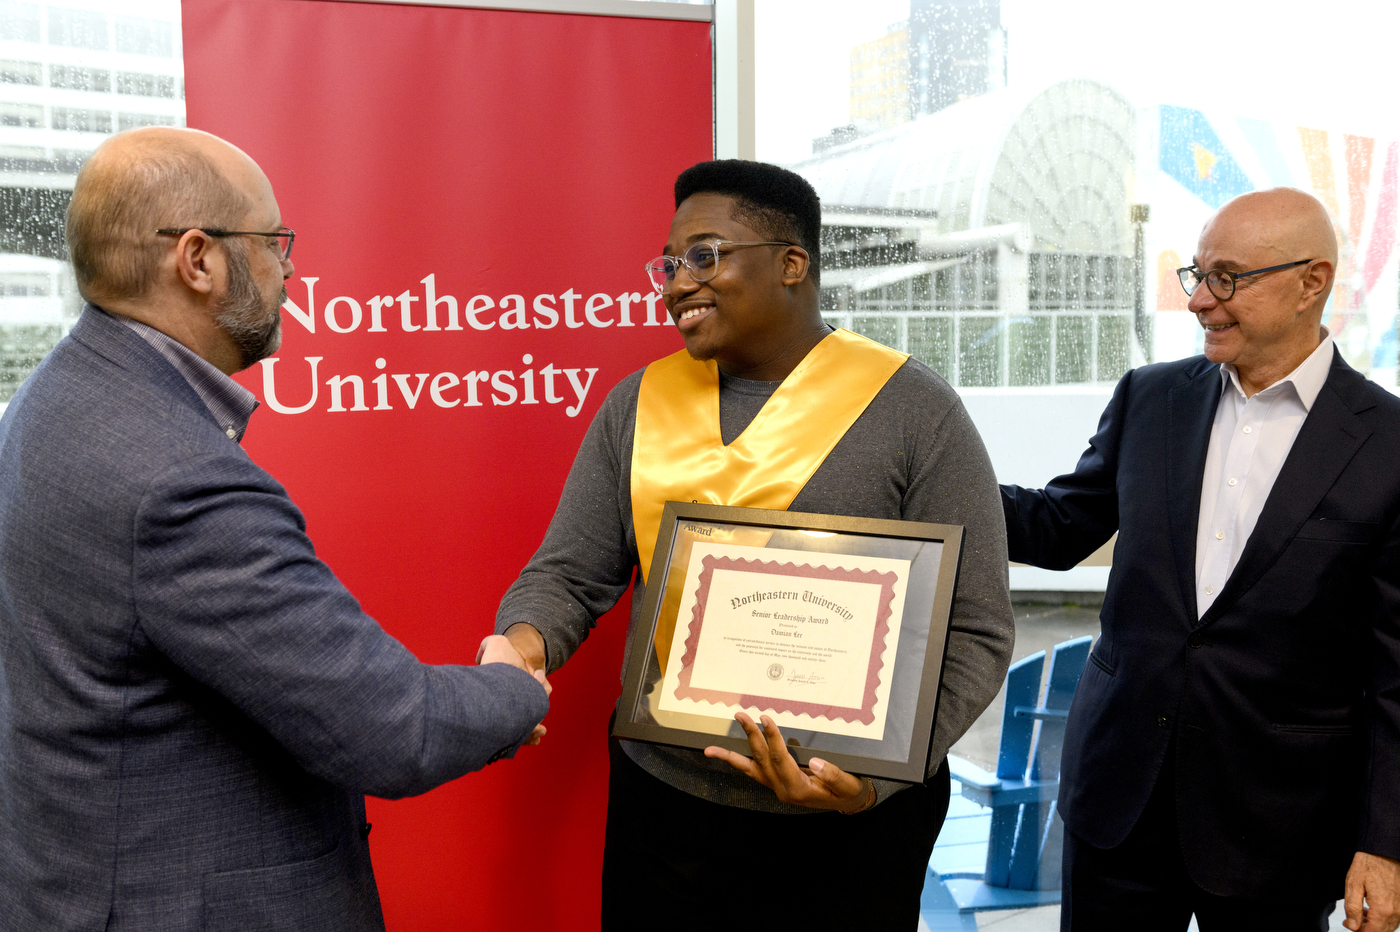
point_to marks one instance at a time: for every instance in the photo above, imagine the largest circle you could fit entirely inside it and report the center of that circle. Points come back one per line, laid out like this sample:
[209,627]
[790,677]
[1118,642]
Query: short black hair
[776,203]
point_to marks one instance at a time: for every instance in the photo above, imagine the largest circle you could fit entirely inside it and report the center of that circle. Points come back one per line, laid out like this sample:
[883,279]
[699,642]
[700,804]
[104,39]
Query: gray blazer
[191,705]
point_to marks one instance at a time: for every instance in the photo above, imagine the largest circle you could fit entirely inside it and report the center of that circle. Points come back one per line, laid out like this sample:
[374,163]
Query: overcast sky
[1333,66]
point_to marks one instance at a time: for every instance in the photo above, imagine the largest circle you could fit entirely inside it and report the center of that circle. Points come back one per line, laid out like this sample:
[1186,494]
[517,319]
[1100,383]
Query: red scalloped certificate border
[864,715]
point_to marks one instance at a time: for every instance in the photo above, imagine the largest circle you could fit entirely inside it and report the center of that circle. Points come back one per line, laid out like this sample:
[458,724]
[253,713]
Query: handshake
[523,648]
[823,785]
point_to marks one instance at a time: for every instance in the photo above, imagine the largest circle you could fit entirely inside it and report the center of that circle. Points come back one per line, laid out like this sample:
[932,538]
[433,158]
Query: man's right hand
[530,643]
[497,648]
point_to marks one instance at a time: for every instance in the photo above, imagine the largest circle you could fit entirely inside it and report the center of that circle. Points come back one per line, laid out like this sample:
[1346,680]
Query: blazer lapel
[1190,414]
[1329,438]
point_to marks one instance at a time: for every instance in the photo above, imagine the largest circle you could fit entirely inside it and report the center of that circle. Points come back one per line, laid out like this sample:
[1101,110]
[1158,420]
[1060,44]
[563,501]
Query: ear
[1317,281]
[195,259]
[795,263]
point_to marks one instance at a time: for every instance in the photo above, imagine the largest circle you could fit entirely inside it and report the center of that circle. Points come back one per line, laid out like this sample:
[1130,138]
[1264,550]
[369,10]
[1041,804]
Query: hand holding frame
[822,785]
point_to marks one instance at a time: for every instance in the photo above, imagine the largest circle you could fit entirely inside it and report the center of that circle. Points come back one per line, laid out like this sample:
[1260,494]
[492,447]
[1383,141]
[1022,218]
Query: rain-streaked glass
[70,74]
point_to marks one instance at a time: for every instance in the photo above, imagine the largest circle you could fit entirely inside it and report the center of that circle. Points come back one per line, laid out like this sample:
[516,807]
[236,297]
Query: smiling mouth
[691,312]
[1214,328]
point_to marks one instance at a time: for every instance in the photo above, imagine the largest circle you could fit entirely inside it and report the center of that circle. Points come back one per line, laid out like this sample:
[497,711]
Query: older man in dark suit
[191,705]
[1233,749]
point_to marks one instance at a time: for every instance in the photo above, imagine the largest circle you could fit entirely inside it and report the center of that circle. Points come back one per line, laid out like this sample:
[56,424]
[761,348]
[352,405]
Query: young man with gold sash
[765,407]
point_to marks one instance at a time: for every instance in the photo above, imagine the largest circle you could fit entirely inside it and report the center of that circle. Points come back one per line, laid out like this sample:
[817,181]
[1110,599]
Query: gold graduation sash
[678,454]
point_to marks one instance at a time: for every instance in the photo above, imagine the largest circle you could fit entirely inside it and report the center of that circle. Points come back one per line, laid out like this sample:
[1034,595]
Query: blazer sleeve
[228,587]
[1058,526]
[1380,825]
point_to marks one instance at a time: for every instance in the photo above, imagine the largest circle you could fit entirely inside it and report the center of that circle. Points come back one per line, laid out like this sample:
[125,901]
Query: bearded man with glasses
[862,431]
[1233,750]
[192,707]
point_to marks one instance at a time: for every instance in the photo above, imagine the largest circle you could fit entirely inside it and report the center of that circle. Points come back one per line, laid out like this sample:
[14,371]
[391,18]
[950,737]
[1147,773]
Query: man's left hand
[1375,879]
[821,785]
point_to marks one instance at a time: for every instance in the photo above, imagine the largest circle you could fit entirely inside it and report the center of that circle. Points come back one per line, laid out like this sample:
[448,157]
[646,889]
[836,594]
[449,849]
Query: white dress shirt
[1249,441]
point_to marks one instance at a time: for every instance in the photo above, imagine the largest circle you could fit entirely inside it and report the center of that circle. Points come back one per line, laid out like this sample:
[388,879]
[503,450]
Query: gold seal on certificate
[833,627]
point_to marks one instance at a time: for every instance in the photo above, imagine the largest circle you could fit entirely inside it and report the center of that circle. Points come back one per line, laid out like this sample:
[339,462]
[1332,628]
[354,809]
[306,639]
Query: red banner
[474,194]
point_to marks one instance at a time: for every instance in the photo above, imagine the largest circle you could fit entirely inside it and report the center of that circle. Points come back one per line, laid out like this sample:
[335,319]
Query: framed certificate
[834,627]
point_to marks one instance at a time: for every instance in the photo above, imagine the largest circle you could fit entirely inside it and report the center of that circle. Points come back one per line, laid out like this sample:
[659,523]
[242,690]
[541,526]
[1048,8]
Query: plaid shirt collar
[230,403]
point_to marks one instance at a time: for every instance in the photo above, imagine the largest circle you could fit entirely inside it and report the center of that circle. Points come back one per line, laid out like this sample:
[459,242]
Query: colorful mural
[1170,295]
[1193,154]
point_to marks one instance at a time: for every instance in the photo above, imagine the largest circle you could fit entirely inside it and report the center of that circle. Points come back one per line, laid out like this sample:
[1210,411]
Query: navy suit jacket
[1284,698]
[191,705]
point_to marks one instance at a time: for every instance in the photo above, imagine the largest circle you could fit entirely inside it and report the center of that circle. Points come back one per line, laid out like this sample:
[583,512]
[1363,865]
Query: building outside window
[1011,205]
[71,74]
[1101,140]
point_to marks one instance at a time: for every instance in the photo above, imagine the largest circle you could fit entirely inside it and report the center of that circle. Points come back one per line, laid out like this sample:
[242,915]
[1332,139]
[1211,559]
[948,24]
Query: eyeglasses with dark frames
[1221,282]
[284,236]
[701,260]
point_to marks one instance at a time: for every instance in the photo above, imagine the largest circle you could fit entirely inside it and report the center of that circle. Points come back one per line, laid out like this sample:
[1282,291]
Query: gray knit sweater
[913,454]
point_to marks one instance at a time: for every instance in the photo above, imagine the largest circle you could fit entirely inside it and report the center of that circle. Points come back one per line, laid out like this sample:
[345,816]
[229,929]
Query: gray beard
[255,328]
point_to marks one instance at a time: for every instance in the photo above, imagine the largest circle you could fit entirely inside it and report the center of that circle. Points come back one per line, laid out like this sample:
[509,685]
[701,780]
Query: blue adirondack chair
[1000,845]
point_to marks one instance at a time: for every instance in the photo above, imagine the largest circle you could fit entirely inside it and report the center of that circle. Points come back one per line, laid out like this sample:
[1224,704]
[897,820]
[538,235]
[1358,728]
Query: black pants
[674,861]
[1143,885]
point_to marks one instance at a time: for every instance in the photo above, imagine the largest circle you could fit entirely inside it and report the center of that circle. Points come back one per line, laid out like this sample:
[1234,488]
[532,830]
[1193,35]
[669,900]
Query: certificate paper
[805,637]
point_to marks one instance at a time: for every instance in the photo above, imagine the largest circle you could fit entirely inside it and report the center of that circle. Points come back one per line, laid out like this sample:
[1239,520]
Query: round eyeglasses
[284,236]
[1221,282]
[701,260]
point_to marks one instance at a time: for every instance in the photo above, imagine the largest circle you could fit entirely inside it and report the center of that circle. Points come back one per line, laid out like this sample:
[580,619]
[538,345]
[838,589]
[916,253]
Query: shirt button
[1232,481]
[1219,535]
[1162,722]
[1247,428]
[1210,590]
[231,433]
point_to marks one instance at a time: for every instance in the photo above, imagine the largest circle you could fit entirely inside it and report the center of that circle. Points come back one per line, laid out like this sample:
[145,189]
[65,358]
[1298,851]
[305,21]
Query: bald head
[1276,226]
[147,179]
